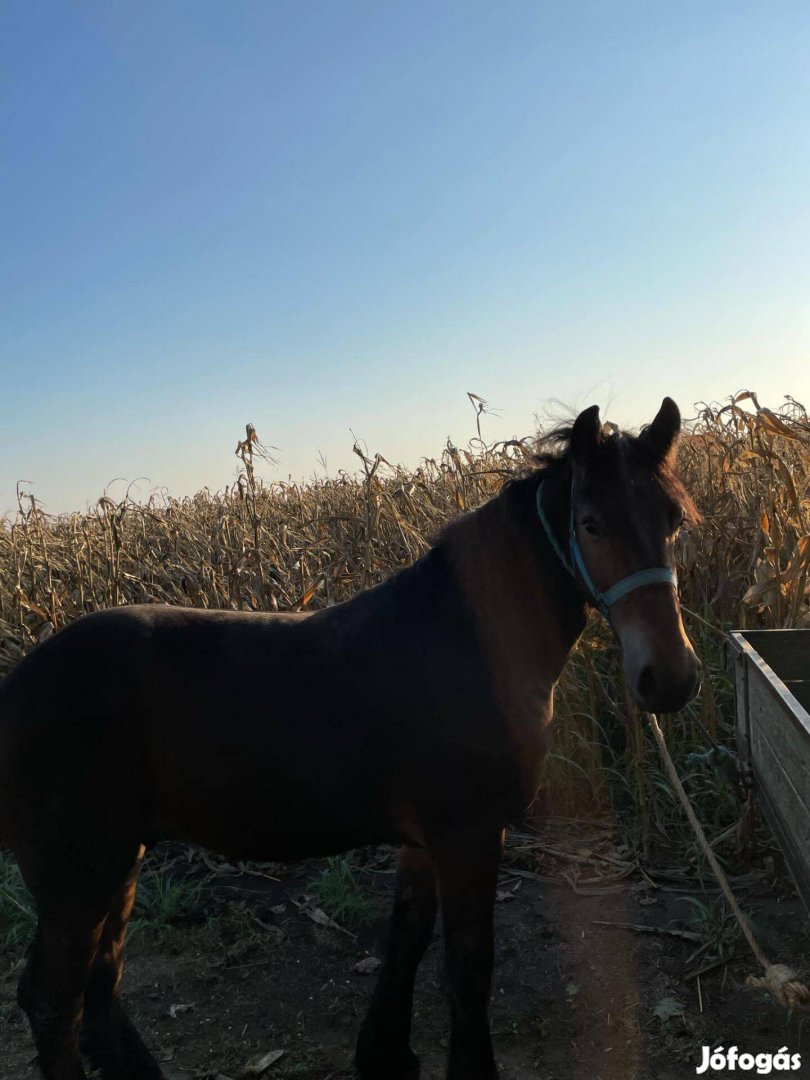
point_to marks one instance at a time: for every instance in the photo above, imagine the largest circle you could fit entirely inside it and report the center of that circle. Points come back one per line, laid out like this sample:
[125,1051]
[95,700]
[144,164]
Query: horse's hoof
[381,1066]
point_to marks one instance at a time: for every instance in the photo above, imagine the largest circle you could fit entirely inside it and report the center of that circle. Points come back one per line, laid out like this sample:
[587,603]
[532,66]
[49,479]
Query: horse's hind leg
[51,990]
[107,1037]
[383,1052]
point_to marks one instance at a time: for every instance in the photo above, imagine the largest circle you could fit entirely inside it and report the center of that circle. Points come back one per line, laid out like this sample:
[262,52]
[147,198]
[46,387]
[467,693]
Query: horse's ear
[586,434]
[662,434]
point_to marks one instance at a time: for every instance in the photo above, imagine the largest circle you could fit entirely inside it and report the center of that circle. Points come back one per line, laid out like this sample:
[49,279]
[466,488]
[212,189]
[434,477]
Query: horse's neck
[528,620]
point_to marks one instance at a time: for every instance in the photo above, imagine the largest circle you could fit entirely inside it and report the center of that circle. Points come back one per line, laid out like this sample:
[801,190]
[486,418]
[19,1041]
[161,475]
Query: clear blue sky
[330,215]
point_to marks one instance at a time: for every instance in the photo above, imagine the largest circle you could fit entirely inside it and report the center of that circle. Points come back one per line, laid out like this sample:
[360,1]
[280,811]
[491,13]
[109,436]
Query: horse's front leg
[383,1051]
[467,863]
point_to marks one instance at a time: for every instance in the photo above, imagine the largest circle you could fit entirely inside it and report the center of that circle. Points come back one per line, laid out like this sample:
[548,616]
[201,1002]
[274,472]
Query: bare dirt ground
[249,971]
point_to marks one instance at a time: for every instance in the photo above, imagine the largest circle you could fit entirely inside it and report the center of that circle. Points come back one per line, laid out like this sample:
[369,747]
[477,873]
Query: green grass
[17,916]
[338,893]
[163,900]
[717,927]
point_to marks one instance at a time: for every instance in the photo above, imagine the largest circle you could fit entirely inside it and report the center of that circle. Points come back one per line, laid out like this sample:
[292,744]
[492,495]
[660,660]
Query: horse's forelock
[617,448]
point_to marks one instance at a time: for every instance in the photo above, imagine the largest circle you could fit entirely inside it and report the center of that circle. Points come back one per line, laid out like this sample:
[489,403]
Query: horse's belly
[258,814]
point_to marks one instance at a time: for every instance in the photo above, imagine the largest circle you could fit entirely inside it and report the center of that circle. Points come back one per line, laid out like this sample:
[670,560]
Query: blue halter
[604,601]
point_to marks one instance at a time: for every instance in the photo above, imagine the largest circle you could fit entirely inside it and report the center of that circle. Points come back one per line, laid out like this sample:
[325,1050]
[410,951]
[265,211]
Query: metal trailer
[772,689]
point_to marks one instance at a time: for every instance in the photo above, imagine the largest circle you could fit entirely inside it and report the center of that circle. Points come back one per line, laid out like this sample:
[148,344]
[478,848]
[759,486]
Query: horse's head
[627,508]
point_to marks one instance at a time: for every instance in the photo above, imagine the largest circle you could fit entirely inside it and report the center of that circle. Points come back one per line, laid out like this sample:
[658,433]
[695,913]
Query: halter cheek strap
[575,565]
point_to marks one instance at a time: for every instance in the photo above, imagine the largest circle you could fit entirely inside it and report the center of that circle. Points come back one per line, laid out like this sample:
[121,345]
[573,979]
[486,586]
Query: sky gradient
[331,216]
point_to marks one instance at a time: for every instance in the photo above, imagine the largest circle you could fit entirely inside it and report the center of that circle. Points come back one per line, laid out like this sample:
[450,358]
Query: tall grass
[287,546]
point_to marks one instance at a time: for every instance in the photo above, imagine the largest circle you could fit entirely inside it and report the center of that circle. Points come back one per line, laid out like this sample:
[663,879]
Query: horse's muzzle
[660,689]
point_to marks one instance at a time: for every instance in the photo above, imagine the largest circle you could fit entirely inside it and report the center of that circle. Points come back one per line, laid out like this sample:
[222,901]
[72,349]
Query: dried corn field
[285,546]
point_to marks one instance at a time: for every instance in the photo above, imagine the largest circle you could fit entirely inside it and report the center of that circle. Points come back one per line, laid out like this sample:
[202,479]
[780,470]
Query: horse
[416,713]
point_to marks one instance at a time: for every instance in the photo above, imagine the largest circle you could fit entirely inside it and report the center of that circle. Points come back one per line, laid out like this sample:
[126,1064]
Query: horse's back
[244,732]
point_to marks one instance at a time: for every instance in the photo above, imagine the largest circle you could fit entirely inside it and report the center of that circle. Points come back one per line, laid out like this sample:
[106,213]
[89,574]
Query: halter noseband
[604,601]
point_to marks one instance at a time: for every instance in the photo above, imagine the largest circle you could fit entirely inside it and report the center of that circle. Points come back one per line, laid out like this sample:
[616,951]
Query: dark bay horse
[415,713]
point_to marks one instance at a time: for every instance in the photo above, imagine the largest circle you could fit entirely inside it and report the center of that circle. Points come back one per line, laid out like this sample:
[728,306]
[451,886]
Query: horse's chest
[528,736]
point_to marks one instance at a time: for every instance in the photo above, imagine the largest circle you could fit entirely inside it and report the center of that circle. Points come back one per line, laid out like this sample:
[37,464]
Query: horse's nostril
[646,683]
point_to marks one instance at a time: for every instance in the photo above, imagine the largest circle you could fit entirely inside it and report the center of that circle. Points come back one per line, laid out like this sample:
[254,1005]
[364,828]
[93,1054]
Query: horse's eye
[678,520]
[590,526]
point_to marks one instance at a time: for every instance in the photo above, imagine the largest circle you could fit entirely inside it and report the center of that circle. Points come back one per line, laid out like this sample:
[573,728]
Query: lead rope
[779,980]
